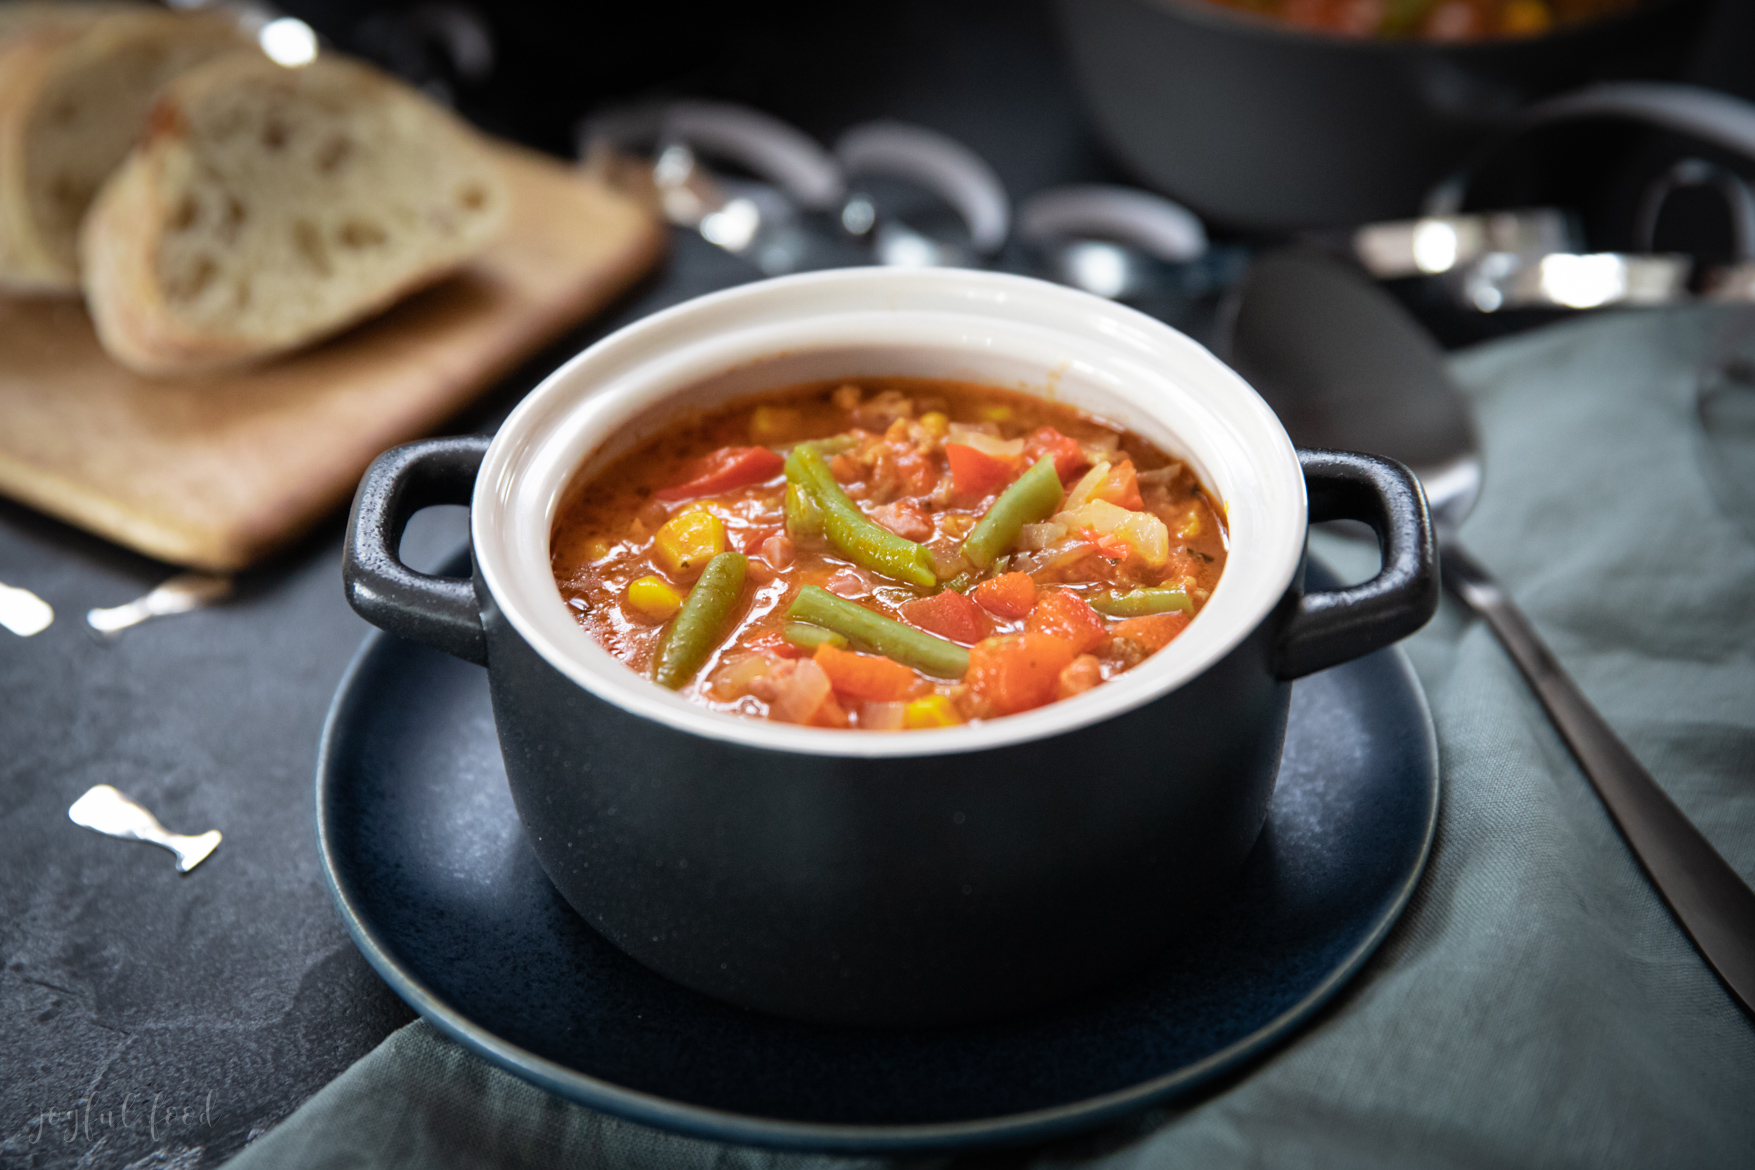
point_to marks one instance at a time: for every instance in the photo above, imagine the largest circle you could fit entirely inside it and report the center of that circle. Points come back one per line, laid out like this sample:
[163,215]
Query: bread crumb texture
[82,106]
[295,198]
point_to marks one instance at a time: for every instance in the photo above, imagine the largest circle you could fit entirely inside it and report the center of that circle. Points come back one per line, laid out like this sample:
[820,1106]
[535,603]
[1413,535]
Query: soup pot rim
[550,435]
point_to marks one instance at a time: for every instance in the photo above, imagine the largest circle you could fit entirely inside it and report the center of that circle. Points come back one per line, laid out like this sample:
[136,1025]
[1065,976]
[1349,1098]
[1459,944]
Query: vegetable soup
[1435,20]
[888,554]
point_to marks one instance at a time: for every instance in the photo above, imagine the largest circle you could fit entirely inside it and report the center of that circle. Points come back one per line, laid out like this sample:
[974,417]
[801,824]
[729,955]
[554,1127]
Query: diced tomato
[1067,616]
[1107,545]
[1016,672]
[948,614]
[976,474]
[871,677]
[774,642]
[1154,631]
[1121,487]
[1011,595]
[724,469]
[1069,457]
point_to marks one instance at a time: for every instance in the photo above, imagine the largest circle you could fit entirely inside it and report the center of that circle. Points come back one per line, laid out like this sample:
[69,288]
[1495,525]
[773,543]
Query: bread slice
[34,16]
[76,82]
[269,207]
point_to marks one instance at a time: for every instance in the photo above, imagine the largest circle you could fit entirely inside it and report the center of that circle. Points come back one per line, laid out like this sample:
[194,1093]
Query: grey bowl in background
[1262,126]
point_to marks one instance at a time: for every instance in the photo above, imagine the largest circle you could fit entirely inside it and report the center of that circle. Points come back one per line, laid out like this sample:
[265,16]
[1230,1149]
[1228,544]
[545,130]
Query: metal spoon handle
[1715,907]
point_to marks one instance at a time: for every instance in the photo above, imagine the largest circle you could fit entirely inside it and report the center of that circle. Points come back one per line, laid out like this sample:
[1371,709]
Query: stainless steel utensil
[1346,366]
[1572,280]
[113,814]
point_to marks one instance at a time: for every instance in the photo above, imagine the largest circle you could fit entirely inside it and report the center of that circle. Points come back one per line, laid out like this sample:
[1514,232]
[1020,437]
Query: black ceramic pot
[893,878]
[1259,125]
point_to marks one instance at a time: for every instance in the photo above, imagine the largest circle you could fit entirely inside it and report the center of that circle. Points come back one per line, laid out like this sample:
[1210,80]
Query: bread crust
[129,221]
[26,265]
[38,49]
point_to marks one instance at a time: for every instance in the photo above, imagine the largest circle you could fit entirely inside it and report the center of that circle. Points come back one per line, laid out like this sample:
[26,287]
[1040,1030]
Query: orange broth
[924,459]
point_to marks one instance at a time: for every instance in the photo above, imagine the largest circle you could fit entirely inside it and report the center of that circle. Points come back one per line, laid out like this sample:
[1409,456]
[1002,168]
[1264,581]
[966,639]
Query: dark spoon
[1345,366]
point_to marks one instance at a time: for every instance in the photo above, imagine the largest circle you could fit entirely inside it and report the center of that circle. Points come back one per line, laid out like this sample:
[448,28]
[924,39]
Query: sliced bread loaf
[76,82]
[32,16]
[268,207]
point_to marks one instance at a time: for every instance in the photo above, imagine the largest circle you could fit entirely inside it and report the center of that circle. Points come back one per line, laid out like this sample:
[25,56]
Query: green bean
[701,622]
[963,582]
[833,445]
[1033,497]
[1140,602]
[857,538]
[809,637]
[892,639]
[804,520]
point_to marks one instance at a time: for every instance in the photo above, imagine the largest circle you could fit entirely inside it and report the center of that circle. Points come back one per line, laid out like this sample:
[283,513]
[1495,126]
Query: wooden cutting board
[216,472]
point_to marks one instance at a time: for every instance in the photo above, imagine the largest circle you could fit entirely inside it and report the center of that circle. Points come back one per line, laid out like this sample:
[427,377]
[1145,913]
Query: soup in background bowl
[1433,20]
[922,877]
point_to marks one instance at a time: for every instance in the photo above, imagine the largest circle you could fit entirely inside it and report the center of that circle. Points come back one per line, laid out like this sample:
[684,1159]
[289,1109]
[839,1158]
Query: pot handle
[440,611]
[1332,626]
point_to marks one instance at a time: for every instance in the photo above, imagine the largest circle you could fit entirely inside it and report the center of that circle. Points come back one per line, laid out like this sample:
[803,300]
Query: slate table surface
[154,1019]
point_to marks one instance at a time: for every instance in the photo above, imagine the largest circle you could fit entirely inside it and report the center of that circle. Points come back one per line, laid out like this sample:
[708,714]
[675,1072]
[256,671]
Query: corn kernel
[774,424]
[936,423]
[930,711]
[654,597]
[596,549]
[995,413]
[1190,526]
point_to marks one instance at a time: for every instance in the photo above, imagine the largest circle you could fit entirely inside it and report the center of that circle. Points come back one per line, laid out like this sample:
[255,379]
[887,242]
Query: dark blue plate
[431,871]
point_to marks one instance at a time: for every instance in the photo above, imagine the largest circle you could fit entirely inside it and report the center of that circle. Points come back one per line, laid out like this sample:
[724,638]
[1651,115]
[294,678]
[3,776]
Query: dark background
[147,1015]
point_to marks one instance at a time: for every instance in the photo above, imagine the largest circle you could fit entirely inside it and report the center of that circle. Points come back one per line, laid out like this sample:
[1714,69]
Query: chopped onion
[1102,447]
[801,695]
[848,583]
[732,680]
[963,435]
[1160,474]
[1034,537]
[1143,532]
[883,716]
[777,551]
[1086,487]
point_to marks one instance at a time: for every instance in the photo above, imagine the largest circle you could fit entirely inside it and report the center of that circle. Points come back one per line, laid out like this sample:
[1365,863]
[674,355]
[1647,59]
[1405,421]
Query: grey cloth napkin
[1536,1005]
